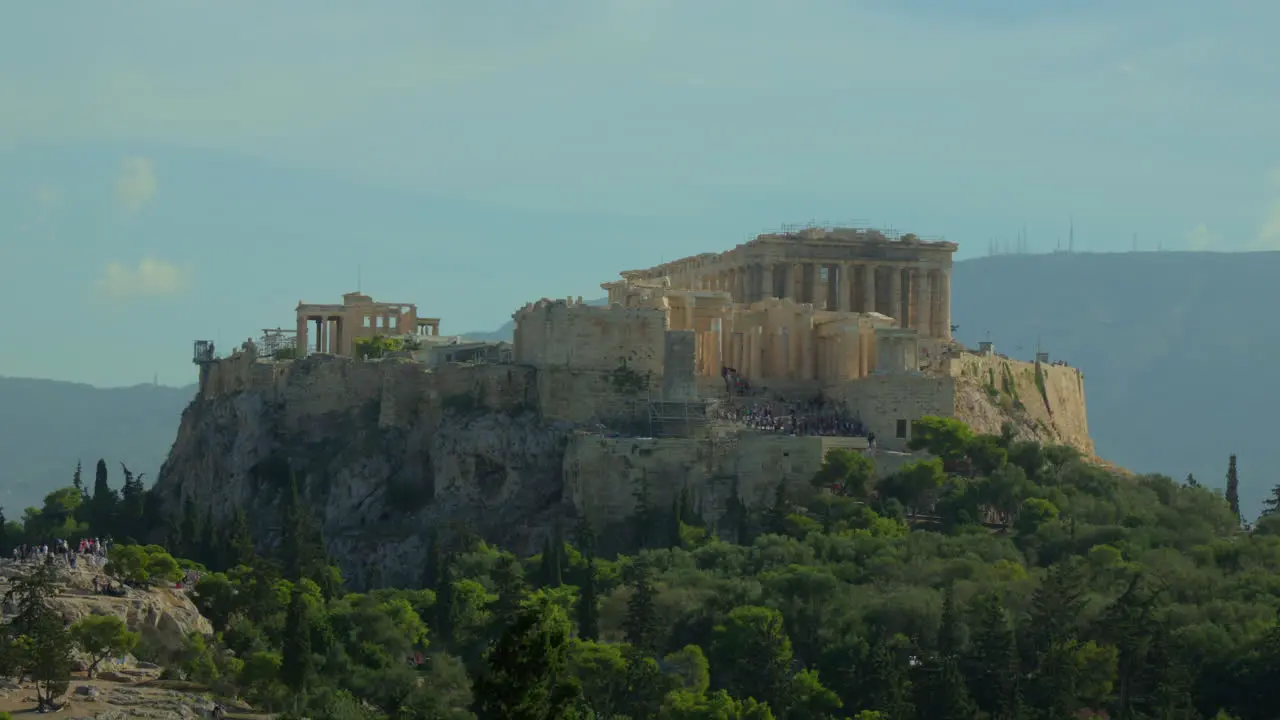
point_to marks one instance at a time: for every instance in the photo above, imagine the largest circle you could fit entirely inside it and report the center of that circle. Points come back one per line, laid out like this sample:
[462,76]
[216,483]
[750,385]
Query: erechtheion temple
[337,327]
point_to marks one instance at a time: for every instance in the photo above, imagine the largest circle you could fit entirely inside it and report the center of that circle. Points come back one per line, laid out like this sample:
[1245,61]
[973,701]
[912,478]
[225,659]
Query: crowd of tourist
[92,551]
[808,418]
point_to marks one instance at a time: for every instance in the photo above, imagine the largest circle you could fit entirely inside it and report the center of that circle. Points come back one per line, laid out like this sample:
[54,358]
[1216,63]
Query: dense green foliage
[1002,580]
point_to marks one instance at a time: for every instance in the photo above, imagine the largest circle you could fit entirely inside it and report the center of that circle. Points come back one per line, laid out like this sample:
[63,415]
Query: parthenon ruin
[838,269]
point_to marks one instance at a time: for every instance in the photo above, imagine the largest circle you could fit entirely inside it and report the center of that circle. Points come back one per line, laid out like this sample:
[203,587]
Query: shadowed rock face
[381,452]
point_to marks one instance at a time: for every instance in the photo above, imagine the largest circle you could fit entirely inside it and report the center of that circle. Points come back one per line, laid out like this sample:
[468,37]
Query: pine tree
[1233,487]
[552,569]
[526,675]
[1272,503]
[942,693]
[296,661]
[49,658]
[76,481]
[641,624]
[208,546]
[1192,482]
[888,687]
[950,632]
[991,665]
[509,586]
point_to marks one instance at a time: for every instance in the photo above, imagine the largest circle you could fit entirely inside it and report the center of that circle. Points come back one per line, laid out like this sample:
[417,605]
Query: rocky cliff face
[382,452]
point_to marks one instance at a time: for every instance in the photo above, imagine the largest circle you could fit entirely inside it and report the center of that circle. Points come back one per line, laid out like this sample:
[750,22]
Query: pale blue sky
[173,170]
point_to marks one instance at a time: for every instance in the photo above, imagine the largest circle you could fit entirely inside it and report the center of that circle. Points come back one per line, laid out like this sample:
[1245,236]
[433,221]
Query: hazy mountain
[1173,346]
[46,426]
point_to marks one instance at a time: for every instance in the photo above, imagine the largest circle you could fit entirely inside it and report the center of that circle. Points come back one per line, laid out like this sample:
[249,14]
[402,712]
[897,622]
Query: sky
[184,169]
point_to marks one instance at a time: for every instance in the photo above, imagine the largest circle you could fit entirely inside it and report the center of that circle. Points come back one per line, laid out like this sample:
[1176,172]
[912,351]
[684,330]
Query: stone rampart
[564,334]
[1047,401]
[886,404]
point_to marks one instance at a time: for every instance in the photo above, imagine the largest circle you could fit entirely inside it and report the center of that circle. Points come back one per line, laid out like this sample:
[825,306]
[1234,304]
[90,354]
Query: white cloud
[151,278]
[135,183]
[1202,238]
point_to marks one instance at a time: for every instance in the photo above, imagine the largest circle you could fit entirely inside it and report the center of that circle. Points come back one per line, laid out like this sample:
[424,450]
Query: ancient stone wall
[1045,401]
[887,404]
[604,476]
[560,334]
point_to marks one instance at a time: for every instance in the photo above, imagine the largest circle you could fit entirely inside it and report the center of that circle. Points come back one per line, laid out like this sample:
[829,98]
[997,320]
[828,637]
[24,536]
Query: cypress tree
[1233,487]
[589,605]
[296,661]
[641,624]
[103,504]
[76,481]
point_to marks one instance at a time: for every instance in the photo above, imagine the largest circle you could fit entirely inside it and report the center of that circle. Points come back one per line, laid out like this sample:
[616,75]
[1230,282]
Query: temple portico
[842,270]
[337,327]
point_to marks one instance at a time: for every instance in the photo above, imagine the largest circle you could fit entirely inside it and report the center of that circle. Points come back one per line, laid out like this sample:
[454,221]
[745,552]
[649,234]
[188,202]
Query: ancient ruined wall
[559,334]
[888,403]
[604,475]
[618,398]
[1046,402]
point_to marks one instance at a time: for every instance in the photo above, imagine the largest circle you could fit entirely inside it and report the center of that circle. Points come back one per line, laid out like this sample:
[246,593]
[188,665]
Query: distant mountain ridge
[1176,349]
[47,425]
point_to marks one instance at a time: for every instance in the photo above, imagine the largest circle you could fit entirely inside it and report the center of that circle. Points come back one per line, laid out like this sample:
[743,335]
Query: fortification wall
[560,334]
[616,398]
[604,476]
[1044,401]
[887,404]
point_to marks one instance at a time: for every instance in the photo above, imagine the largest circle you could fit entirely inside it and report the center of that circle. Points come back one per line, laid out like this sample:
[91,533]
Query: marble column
[844,288]
[766,281]
[895,296]
[808,282]
[944,303]
[789,281]
[868,288]
[924,300]
[740,288]
[300,342]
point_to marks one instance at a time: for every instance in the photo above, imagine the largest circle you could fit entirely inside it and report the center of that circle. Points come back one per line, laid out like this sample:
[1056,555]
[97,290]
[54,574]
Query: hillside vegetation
[1004,579]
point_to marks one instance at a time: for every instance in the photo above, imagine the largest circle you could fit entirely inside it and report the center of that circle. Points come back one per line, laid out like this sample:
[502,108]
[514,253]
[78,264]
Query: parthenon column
[766,281]
[944,291]
[740,287]
[924,299]
[895,296]
[808,282]
[868,288]
[789,281]
[844,288]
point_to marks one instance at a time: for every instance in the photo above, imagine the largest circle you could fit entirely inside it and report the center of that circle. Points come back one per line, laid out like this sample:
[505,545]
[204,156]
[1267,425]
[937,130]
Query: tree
[849,471]
[6,544]
[550,573]
[1271,504]
[435,554]
[76,481]
[102,509]
[49,657]
[753,650]
[524,676]
[238,546]
[101,637]
[1233,487]
[295,661]
[991,666]
[641,625]
[589,604]
[46,645]
[132,502]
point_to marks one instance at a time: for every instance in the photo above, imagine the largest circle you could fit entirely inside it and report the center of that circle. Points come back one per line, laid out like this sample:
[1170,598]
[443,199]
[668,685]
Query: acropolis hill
[717,376]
